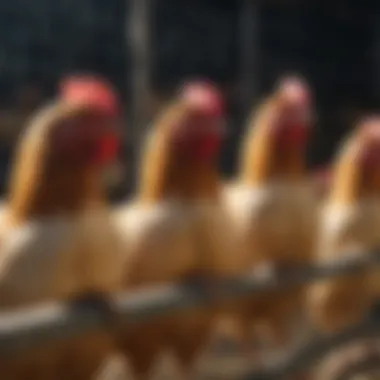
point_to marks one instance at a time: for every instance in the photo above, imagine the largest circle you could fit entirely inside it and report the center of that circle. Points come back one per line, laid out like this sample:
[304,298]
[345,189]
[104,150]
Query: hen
[57,239]
[349,228]
[175,229]
[273,208]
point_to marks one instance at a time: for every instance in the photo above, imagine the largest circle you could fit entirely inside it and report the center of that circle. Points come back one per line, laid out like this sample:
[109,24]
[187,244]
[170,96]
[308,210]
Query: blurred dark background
[334,45]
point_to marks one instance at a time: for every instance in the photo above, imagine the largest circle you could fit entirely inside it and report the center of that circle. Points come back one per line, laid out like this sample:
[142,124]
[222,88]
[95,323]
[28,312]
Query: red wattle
[294,136]
[208,148]
[108,149]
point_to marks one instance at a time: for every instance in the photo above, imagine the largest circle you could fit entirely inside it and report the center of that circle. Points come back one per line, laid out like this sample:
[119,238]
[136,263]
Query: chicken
[273,208]
[175,229]
[349,228]
[57,237]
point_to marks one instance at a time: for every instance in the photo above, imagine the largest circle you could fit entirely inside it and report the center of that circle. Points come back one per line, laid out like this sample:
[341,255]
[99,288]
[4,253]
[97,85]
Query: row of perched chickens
[60,242]
[186,224]
[274,209]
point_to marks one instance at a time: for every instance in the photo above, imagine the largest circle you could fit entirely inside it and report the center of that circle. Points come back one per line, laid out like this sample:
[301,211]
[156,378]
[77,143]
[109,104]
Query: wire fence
[28,328]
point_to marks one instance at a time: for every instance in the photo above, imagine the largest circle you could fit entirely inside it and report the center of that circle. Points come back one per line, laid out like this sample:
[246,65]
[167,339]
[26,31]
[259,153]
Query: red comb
[90,91]
[370,127]
[295,90]
[203,96]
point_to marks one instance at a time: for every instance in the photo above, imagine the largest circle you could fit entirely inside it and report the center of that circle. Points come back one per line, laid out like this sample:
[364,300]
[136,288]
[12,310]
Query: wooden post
[139,40]
[249,51]
[376,57]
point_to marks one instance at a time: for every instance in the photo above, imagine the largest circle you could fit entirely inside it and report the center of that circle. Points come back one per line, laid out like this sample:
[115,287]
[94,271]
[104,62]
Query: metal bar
[27,328]
[361,368]
[304,357]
